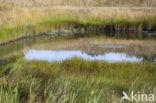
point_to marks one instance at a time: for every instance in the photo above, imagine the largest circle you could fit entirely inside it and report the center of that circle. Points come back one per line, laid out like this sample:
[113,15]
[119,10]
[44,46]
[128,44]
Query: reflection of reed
[91,45]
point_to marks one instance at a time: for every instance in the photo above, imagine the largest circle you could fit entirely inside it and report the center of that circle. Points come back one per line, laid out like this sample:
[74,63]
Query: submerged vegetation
[73,81]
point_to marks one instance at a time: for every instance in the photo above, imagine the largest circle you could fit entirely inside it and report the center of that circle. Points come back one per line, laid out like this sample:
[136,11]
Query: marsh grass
[30,3]
[20,21]
[73,81]
[76,80]
[52,24]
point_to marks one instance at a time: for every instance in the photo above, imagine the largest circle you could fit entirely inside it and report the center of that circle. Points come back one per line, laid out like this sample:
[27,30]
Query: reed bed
[114,3]
[76,80]
[72,81]
[20,15]
[22,21]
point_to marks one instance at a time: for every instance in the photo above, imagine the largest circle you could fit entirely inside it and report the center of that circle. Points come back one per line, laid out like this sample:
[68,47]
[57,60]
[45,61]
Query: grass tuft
[73,81]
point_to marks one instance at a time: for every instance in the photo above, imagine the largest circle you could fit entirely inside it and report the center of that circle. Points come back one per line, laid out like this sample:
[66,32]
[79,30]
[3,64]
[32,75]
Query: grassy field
[29,3]
[52,24]
[73,81]
[20,21]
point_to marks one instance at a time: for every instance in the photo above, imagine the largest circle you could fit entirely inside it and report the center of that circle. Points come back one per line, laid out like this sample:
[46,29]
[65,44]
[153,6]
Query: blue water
[112,46]
[154,59]
[61,55]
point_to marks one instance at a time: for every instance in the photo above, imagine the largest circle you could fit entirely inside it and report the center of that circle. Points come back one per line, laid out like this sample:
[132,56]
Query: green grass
[73,81]
[52,24]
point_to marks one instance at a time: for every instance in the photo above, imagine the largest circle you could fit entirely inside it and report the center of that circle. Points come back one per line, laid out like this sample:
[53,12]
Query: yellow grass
[18,16]
[29,3]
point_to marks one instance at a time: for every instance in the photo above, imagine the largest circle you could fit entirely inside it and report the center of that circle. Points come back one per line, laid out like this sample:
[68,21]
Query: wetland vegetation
[76,51]
[18,22]
[75,80]
[74,25]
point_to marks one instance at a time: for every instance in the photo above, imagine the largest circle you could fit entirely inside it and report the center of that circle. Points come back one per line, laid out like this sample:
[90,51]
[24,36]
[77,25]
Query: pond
[91,48]
[58,56]
[112,46]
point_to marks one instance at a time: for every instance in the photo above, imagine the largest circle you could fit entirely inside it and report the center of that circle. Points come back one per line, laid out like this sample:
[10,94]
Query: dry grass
[17,20]
[18,16]
[30,3]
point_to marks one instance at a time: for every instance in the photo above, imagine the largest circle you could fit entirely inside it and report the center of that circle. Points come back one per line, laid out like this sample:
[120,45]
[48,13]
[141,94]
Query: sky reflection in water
[58,56]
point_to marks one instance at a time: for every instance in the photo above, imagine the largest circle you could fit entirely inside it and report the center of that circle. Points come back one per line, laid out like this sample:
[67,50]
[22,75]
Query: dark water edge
[19,44]
[79,33]
[122,34]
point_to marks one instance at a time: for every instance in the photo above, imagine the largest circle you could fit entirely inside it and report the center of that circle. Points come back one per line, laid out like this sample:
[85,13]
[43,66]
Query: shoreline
[19,22]
[72,33]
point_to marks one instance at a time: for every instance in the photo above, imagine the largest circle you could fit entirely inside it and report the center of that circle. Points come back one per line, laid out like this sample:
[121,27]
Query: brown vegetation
[30,3]
[19,15]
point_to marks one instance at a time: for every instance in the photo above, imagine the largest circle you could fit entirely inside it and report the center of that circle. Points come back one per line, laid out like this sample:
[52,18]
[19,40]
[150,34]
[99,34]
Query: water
[112,46]
[117,54]
[58,56]
[154,59]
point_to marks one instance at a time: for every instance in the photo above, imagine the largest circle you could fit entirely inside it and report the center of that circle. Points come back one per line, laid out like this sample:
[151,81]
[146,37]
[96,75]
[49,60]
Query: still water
[110,53]
[112,46]
[58,56]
